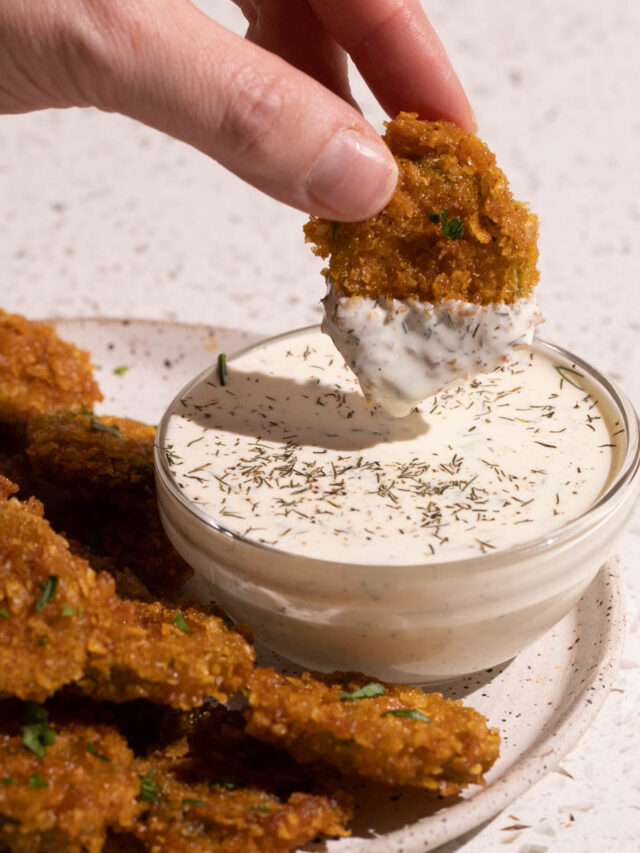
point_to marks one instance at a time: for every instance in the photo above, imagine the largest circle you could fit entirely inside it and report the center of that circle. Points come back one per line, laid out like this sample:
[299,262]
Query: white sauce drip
[403,352]
[289,454]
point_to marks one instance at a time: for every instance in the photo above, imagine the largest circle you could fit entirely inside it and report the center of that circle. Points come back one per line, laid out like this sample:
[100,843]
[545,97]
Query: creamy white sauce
[403,352]
[289,454]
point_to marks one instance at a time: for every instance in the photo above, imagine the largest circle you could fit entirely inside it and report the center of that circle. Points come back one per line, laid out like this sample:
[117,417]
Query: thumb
[267,122]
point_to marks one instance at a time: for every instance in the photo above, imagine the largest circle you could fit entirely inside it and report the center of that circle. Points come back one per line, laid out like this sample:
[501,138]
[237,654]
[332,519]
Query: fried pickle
[391,733]
[39,372]
[193,811]
[97,480]
[62,623]
[452,229]
[65,799]
[105,450]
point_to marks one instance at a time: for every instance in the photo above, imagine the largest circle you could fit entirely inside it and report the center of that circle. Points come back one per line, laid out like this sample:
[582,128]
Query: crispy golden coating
[410,249]
[62,623]
[84,447]
[308,717]
[39,372]
[66,800]
[194,817]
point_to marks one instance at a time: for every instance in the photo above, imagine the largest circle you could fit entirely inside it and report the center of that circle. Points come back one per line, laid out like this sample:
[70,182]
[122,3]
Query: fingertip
[353,177]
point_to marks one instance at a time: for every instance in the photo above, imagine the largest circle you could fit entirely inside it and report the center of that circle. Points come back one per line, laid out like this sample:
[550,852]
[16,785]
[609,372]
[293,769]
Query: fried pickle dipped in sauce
[62,788]
[391,733]
[61,623]
[438,285]
[39,372]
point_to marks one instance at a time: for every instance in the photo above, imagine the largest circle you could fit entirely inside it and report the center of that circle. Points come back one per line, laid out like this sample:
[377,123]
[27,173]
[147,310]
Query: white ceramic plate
[542,701]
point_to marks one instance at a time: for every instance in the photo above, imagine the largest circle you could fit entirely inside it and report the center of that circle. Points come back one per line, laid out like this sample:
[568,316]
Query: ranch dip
[405,351]
[282,449]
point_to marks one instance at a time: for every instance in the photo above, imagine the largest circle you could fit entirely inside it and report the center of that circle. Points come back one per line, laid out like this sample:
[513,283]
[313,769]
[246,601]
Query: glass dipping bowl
[406,623]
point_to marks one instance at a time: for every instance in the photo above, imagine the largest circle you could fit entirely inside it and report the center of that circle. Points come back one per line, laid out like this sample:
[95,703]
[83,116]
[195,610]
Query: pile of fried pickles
[113,688]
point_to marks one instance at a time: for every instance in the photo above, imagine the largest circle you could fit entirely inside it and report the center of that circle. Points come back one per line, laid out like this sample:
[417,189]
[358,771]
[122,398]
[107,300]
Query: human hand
[275,109]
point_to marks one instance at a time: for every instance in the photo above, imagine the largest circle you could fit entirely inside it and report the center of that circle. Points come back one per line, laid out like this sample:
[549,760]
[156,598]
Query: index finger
[400,56]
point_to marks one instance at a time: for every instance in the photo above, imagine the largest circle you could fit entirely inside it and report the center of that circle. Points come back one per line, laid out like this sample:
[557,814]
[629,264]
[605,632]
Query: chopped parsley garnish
[408,714]
[149,791]
[188,801]
[265,809]
[42,640]
[47,591]
[222,783]
[367,692]
[121,370]
[4,613]
[90,748]
[180,624]
[222,368]
[36,781]
[114,430]
[36,734]
[7,780]
[452,229]
[334,230]
[68,610]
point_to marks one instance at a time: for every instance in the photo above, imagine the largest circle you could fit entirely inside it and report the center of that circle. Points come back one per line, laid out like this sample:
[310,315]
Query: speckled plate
[542,700]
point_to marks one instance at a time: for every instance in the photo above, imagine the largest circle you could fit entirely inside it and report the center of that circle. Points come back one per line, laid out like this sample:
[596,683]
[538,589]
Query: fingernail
[354,176]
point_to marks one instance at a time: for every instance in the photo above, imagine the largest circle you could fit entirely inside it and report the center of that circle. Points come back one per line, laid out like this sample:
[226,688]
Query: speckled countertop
[103,217]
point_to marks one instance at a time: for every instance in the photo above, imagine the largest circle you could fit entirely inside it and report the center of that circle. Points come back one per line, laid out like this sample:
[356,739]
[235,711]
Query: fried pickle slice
[61,623]
[39,372]
[109,503]
[193,812]
[452,229]
[108,451]
[65,799]
[391,733]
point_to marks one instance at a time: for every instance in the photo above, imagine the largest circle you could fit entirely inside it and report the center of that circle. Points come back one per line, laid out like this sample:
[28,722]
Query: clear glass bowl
[406,623]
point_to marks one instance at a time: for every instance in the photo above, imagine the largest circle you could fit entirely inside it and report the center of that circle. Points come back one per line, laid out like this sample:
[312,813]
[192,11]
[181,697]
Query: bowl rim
[628,470]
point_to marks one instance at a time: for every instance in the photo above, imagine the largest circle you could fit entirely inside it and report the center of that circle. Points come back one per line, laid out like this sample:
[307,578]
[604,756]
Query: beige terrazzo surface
[103,217]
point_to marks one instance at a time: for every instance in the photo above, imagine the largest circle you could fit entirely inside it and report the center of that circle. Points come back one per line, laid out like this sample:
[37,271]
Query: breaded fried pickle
[452,229]
[84,447]
[60,623]
[200,818]
[64,801]
[108,463]
[391,733]
[39,372]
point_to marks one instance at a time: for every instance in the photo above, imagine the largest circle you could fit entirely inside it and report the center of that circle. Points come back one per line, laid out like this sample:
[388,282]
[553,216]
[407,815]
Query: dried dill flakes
[222,368]
[150,792]
[407,714]
[263,809]
[562,370]
[189,801]
[4,613]
[36,733]
[36,781]
[68,610]
[90,748]
[47,591]
[121,369]
[335,227]
[179,623]
[367,692]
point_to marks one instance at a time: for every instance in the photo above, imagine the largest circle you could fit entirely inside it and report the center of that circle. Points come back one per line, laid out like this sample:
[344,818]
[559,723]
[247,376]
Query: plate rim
[544,754]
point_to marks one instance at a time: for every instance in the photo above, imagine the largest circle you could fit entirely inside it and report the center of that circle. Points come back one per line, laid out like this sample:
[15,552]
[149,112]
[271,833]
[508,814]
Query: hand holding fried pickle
[439,284]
